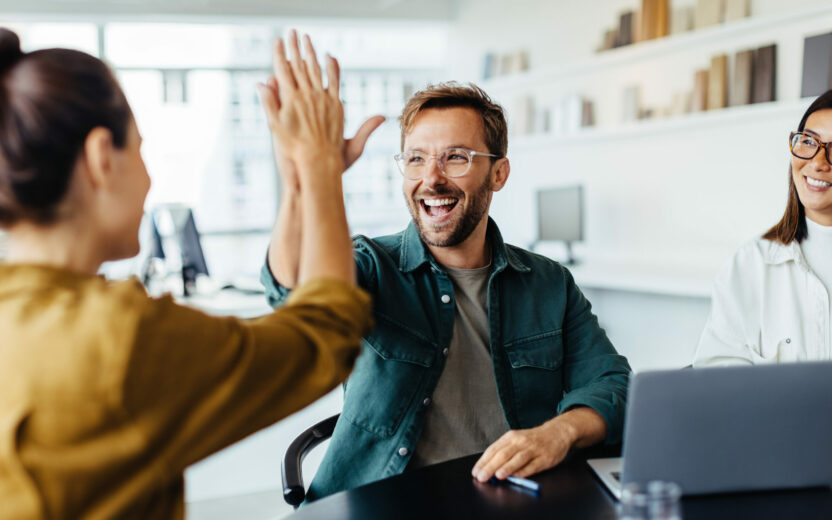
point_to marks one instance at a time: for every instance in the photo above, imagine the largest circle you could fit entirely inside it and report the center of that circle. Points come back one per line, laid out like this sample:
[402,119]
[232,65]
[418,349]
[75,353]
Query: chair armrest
[291,470]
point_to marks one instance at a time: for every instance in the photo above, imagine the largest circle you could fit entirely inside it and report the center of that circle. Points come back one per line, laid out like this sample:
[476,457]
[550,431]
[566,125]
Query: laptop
[731,429]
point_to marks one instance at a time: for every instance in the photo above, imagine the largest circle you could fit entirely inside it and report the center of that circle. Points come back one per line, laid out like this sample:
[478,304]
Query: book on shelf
[631,104]
[504,64]
[763,88]
[817,65]
[680,104]
[587,113]
[638,20]
[708,12]
[542,121]
[737,10]
[646,15]
[625,29]
[489,66]
[523,115]
[718,82]
[654,19]
[743,74]
[699,98]
[609,40]
[573,110]
[681,20]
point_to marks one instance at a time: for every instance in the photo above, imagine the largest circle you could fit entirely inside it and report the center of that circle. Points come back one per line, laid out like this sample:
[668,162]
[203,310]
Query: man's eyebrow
[443,149]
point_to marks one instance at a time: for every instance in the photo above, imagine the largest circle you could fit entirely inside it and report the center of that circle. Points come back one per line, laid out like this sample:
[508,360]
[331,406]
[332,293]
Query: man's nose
[433,173]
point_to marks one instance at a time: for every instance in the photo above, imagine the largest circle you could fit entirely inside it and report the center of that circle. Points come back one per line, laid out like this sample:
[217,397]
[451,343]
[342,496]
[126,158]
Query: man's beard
[476,209]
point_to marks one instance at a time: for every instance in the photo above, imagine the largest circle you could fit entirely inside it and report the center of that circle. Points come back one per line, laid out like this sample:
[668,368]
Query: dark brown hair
[793,224]
[50,100]
[455,95]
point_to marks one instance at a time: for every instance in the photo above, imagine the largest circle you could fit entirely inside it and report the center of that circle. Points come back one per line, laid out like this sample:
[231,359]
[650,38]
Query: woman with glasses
[771,303]
[106,394]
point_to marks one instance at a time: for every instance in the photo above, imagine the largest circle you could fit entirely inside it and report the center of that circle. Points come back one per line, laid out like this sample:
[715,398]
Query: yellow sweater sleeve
[196,383]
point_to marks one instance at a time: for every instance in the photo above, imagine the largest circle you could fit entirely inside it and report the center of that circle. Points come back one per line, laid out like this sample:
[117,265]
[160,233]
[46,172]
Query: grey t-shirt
[464,415]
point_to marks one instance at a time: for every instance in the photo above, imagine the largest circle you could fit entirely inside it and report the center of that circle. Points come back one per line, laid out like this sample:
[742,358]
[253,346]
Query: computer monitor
[177,222]
[560,216]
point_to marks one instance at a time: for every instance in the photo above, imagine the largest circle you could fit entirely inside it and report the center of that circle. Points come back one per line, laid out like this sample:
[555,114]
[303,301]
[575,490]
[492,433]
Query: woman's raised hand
[306,118]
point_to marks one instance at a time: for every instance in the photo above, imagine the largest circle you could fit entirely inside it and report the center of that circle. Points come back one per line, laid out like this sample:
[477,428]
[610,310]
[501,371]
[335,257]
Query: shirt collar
[778,253]
[414,253]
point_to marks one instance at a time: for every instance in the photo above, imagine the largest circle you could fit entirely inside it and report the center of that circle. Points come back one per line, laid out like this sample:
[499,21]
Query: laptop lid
[731,429]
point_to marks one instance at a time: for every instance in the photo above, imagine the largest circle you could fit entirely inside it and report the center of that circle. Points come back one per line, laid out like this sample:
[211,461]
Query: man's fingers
[333,77]
[282,70]
[485,458]
[532,467]
[296,62]
[312,65]
[520,459]
[355,146]
[496,461]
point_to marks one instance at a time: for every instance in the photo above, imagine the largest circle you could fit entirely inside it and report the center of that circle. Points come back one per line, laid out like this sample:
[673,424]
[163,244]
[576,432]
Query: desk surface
[569,491]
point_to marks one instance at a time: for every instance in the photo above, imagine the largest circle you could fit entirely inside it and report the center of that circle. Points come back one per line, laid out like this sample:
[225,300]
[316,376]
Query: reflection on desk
[569,491]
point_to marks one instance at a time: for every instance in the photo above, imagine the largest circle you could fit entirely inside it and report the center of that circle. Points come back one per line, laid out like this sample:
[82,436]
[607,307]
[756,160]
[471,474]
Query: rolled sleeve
[276,294]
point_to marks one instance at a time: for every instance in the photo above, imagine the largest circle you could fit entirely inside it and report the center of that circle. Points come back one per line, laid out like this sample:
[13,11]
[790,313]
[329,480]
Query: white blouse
[768,306]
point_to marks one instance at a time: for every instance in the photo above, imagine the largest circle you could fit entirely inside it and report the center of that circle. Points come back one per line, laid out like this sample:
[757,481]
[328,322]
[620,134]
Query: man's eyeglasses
[453,162]
[806,146]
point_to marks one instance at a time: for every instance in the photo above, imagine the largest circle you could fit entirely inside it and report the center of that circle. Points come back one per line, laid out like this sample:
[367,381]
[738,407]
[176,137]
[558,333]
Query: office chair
[291,469]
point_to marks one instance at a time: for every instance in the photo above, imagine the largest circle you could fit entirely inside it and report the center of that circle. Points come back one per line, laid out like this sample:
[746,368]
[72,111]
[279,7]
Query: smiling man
[478,346]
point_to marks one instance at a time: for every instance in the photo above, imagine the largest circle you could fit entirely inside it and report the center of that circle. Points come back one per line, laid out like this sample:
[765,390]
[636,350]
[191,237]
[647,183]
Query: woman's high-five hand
[305,117]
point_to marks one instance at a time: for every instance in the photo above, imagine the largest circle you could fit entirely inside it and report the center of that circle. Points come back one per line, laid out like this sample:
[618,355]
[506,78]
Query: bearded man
[478,346]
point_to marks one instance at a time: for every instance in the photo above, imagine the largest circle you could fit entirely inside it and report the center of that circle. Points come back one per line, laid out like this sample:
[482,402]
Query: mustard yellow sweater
[106,394]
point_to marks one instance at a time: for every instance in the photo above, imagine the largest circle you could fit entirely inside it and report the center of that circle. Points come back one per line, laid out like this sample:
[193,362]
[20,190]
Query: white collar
[777,253]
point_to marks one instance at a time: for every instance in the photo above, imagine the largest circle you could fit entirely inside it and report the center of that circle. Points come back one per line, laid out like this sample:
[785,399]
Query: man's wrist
[566,427]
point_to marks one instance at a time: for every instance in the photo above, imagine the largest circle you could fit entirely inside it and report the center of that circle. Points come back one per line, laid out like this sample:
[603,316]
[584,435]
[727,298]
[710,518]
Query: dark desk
[569,491]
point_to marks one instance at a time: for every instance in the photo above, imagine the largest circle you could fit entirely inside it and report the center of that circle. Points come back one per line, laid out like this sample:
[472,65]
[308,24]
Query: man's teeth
[439,202]
[813,182]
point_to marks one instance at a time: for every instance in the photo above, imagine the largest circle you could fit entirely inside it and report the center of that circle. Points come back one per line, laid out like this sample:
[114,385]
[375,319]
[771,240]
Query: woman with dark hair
[771,302]
[106,394]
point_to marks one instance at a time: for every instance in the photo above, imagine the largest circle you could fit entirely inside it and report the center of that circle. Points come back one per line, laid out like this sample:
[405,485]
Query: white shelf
[684,281]
[626,55]
[712,118]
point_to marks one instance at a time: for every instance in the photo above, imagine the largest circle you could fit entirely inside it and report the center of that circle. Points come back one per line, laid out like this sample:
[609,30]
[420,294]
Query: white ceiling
[365,9]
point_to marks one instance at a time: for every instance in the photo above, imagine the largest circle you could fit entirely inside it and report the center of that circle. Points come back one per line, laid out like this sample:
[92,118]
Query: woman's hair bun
[9,49]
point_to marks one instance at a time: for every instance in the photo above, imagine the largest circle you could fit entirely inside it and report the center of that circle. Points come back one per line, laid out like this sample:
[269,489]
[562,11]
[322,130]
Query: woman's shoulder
[762,251]
[751,260]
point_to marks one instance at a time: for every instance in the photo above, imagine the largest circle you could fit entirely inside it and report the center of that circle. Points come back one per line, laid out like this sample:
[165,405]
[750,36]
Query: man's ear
[99,156]
[502,168]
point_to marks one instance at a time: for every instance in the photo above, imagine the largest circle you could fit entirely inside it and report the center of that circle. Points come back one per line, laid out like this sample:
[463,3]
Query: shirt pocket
[536,375]
[387,378]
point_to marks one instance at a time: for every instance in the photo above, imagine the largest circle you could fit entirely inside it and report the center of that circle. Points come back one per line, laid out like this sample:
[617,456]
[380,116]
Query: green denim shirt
[549,353]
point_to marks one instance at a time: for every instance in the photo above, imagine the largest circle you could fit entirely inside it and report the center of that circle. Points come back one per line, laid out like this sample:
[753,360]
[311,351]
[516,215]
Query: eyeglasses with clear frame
[807,146]
[453,162]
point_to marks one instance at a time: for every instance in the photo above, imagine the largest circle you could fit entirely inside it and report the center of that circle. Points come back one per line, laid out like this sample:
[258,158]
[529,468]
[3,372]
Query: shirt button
[403,451]
[426,401]
[788,340]
[445,298]
[445,351]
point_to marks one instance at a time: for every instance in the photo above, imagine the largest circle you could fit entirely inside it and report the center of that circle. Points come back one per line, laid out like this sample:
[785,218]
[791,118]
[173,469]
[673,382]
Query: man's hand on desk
[523,453]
